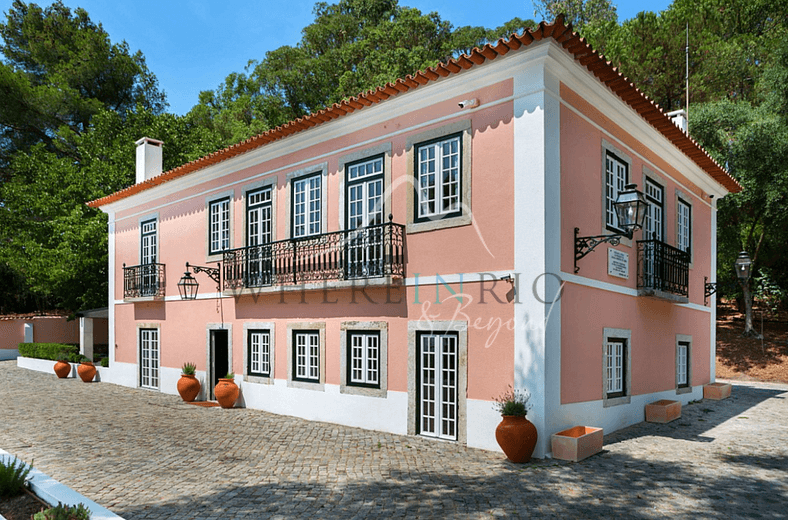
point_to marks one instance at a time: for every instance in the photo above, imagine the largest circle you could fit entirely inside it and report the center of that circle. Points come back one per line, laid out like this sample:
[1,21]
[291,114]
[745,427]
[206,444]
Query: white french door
[365,210]
[149,358]
[259,267]
[438,385]
[148,258]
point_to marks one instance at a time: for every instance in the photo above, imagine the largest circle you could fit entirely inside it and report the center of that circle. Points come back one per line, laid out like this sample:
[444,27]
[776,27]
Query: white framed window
[307,206]
[683,225]
[616,177]
[218,226]
[306,355]
[683,363]
[438,178]
[149,358]
[259,355]
[655,216]
[149,253]
[615,377]
[364,358]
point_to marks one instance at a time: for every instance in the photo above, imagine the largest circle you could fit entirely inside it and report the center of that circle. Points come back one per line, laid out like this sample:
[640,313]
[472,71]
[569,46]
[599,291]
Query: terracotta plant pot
[517,438]
[226,392]
[86,371]
[62,369]
[188,387]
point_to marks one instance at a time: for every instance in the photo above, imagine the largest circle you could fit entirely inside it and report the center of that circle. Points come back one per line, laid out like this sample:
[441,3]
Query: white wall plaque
[617,263]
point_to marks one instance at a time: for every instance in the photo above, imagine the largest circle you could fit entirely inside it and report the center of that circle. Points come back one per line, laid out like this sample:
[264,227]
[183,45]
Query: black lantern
[188,286]
[631,209]
[743,264]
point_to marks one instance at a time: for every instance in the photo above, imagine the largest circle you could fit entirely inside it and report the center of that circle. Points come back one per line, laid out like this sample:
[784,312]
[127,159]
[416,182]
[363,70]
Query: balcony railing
[662,269]
[370,252]
[142,281]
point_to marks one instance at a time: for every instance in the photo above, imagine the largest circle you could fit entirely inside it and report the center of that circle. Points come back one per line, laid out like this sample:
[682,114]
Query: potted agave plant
[516,435]
[226,391]
[62,366]
[86,369]
[188,384]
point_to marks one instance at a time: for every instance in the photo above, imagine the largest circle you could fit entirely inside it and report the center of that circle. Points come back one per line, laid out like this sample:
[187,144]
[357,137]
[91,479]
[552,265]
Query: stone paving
[146,455]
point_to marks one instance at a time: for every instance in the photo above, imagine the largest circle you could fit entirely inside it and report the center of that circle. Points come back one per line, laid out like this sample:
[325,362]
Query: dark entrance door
[219,362]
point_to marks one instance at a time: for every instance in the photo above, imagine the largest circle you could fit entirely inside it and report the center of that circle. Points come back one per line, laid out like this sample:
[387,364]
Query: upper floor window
[683,225]
[148,242]
[307,206]
[259,217]
[438,178]
[655,216]
[365,193]
[616,177]
[218,226]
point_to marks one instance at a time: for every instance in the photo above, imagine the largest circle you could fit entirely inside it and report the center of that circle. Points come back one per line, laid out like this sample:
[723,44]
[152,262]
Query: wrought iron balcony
[365,253]
[143,281]
[663,271]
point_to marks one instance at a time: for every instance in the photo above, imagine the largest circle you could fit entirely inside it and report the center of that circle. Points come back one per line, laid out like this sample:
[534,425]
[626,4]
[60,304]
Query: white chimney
[148,158]
[679,118]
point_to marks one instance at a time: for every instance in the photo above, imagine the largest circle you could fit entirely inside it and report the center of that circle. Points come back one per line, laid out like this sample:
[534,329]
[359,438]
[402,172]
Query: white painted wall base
[41,365]
[482,421]
[53,492]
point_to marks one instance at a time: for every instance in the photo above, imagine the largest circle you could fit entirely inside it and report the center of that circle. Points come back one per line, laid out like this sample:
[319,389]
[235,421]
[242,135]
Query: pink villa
[398,260]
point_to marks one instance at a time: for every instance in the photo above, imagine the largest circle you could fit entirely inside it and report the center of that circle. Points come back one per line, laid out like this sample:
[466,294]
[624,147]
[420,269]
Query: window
[364,211]
[259,233]
[616,177]
[149,358]
[259,353]
[683,225]
[306,355]
[363,359]
[615,367]
[149,273]
[655,216]
[683,365]
[437,384]
[218,226]
[438,178]
[307,202]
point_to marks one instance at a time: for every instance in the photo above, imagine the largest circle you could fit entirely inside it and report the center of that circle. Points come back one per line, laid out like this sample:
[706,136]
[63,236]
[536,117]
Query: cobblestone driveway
[147,455]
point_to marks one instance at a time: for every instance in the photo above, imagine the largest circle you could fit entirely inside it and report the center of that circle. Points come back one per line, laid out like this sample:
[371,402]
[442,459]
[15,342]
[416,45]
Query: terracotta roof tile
[561,33]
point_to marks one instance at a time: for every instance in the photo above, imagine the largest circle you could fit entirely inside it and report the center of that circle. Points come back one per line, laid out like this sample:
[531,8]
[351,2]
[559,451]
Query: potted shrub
[188,384]
[516,435]
[86,369]
[62,366]
[226,391]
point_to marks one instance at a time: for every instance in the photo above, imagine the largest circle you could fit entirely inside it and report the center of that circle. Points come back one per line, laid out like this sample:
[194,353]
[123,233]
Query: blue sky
[193,45]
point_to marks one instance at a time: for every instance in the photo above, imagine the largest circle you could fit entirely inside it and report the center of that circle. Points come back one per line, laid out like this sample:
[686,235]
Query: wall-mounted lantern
[188,285]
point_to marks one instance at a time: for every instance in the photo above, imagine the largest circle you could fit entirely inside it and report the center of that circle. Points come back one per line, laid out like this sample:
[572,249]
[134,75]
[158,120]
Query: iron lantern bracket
[214,272]
[584,245]
[709,288]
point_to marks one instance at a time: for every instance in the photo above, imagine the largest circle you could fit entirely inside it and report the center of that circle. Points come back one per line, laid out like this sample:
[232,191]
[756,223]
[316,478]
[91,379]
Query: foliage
[513,402]
[188,369]
[230,375]
[104,362]
[767,290]
[64,512]
[53,351]
[12,477]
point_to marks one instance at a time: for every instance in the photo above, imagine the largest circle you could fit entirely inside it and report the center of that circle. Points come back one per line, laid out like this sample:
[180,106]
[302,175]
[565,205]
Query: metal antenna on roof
[686,77]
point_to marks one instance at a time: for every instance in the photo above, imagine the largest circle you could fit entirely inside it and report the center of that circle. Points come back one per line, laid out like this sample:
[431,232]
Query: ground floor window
[615,367]
[437,384]
[306,355]
[364,358]
[683,363]
[259,355]
[149,358]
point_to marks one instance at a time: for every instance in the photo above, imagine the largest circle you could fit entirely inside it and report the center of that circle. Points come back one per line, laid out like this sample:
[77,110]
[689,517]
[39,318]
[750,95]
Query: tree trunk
[749,331]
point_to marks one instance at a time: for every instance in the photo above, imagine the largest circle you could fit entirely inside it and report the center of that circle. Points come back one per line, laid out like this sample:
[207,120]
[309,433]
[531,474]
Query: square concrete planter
[717,391]
[577,443]
[663,411]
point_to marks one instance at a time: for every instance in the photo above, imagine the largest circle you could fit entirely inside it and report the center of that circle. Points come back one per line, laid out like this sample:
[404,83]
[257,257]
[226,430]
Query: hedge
[47,350]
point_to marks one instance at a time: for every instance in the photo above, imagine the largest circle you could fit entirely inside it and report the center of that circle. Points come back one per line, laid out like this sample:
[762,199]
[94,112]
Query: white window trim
[384,150]
[681,196]
[140,222]
[626,334]
[608,147]
[463,127]
[317,169]
[320,327]
[658,180]
[345,328]
[216,197]
[461,328]
[140,327]
[268,182]
[683,338]
[260,325]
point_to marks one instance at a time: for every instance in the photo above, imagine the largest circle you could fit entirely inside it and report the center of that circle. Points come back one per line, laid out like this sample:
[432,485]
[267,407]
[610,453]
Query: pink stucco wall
[46,329]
